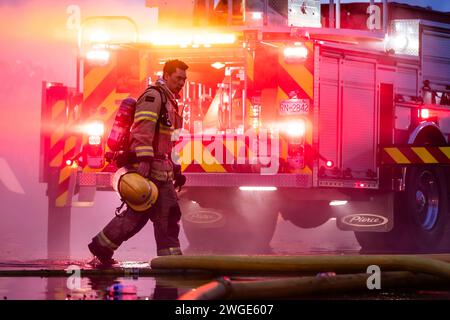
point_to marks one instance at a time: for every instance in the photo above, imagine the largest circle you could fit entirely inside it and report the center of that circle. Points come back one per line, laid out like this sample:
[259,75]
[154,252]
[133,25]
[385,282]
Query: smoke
[39,43]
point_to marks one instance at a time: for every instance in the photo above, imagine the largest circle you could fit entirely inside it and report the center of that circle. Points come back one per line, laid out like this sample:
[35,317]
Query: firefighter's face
[175,81]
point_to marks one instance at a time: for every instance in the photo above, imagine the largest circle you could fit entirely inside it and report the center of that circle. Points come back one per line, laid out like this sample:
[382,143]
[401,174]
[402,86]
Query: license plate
[294,106]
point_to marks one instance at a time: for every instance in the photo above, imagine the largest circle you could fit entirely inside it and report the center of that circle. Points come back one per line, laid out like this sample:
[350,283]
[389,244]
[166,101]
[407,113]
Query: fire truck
[281,117]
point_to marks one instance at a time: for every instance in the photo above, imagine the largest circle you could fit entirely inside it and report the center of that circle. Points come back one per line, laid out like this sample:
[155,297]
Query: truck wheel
[307,214]
[246,229]
[420,216]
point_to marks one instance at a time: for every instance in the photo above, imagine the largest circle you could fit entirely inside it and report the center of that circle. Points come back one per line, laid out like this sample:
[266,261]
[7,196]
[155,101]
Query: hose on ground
[436,265]
[307,286]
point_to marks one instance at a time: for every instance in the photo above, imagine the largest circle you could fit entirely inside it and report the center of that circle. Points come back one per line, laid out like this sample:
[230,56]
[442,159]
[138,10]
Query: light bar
[99,36]
[299,52]
[98,56]
[338,202]
[257,188]
[167,38]
[218,65]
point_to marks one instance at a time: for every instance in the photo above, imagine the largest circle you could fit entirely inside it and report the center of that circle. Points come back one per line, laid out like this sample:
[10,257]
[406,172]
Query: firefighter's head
[174,74]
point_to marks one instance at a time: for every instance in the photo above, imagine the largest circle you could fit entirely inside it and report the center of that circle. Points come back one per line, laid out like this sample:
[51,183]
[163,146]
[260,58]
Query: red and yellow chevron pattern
[221,154]
[100,96]
[63,146]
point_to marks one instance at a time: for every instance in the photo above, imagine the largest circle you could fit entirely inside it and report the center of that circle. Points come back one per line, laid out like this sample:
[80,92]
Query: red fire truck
[281,116]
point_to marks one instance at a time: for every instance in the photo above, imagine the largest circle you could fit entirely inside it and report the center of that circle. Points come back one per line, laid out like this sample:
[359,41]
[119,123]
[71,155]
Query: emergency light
[424,113]
[329,164]
[98,56]
[257,188]
[336,203]
[96,128]
[188,38]
[294,128]
[295,54]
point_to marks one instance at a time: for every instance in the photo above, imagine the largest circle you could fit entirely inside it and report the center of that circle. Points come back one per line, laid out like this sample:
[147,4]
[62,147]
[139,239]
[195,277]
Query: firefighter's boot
[101,253]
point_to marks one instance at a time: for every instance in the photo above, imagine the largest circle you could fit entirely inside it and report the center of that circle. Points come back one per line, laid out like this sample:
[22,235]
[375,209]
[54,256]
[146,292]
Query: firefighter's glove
[179,178]
[144,168]
[125,158]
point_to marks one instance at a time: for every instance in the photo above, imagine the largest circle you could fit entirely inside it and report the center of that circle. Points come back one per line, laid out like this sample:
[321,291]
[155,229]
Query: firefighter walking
[149,177]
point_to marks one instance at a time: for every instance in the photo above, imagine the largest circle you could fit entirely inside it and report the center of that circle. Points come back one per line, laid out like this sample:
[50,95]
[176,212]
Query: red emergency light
[71,163]
[329,164]
[424,114]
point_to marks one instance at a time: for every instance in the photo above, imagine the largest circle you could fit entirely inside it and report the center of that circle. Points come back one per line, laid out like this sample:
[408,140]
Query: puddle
[96,288]
[126,284]
[76,286]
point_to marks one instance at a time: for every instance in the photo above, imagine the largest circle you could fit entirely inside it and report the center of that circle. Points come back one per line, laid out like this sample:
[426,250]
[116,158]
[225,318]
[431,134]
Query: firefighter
[155,119]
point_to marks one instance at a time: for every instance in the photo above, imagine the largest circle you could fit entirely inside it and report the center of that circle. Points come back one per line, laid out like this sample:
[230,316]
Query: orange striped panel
[298,78]
[57,138]
[223,154]
[100,94]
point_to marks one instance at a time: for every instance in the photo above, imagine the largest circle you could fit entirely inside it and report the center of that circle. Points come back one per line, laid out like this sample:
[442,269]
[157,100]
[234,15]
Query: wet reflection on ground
[132,286]
[96,288]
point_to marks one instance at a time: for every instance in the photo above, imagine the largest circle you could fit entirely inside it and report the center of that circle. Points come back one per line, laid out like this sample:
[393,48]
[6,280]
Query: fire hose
[397,271]
[224,288]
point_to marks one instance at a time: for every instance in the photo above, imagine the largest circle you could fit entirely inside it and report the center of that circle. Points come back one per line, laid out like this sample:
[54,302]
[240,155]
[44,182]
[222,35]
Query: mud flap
[375,215]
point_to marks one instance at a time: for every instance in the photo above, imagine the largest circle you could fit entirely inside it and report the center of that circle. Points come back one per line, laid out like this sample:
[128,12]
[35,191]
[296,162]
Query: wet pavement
[41,279]
[137,283]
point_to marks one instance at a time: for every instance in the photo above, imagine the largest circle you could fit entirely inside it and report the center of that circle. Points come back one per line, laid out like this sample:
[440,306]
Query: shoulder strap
[157,88]
[161,93]
[162,111]
[163,97]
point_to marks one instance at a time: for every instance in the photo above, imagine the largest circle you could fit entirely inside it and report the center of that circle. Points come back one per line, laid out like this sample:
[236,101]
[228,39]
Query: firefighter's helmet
[138,192]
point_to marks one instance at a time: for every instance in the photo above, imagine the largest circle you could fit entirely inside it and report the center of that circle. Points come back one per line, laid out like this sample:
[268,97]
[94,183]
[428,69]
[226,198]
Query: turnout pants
[165,215]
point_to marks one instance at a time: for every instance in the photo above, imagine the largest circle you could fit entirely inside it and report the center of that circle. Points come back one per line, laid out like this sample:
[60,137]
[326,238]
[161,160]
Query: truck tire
[421,216]
[307,214]
[247,228]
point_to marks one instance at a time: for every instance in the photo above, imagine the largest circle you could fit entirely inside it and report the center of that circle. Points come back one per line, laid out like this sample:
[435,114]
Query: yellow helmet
[139,193]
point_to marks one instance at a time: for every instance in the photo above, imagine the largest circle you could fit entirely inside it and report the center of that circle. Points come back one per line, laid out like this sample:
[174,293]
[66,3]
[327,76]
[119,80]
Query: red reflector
[329,164]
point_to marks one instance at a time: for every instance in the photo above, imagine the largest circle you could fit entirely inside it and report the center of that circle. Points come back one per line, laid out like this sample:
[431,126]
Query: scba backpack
[118,138]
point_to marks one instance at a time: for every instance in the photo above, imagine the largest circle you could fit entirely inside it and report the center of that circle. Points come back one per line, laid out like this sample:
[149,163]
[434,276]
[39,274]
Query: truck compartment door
[348,117]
